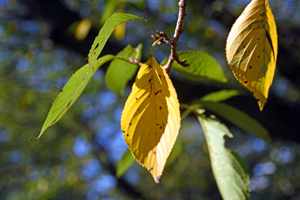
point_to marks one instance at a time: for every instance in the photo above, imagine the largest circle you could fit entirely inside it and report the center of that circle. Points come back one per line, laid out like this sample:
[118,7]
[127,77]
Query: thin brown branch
[163,38]
[178,31]
[135,61]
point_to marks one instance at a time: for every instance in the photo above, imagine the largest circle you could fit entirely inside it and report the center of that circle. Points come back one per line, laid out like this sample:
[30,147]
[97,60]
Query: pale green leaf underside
[124,163]
[71,91]
[202,67]
[232,180]
[107,30]
[238,118]
[119,71]
[221,95]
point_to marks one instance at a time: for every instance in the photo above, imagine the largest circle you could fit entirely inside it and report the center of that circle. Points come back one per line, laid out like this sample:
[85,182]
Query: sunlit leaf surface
[251,49]
[151,118]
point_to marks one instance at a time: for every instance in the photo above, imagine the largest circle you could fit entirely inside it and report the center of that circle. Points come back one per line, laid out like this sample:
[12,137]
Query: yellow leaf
[119,31]
[83,29]
[251,49]
[151,118]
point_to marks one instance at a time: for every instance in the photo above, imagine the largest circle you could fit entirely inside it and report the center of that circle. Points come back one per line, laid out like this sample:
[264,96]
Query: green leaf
[221,95]
[202,67]
[71,91]
[106,31]
[120,72]
[124,163]
[232,180]
[238,118]
[175,153]
[110,7]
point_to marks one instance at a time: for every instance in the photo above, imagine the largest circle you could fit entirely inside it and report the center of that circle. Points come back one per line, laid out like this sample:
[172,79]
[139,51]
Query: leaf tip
[157,178]
[261,104]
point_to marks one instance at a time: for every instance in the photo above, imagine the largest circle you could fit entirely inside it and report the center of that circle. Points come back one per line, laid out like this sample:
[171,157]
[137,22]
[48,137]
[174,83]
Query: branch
[135,61]
[178,31]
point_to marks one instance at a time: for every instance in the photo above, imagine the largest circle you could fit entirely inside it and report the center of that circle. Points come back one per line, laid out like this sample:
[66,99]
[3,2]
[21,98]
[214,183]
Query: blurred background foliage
[77,157]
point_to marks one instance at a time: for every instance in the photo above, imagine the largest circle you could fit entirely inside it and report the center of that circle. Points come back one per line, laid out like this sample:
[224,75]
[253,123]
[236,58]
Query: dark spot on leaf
[160,127]
[245,82]
[258,38]
[127,135]
[263,69]
[154,152]
[250,67]
[136,98]
[130,124]
[160,107]
[159,76]
[157,124]
[244,46]
[83,79]
[138,109]
[258,56]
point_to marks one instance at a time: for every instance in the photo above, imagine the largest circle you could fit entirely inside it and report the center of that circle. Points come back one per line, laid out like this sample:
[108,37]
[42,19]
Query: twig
[163,38]
[178,31]
[135,61]
[130,60]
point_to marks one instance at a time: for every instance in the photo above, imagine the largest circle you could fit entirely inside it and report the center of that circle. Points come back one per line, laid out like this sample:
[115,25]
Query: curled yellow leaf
[251,49]
[151,118]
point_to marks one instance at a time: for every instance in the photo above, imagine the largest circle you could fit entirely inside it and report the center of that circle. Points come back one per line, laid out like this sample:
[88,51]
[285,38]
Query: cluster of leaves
[151,116]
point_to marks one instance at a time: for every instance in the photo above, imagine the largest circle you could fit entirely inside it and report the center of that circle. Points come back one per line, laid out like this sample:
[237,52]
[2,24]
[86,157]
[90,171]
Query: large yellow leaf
[251,49]
[151,118]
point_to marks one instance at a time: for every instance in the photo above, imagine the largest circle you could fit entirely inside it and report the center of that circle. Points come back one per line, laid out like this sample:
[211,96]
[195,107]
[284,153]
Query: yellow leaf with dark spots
[151,118]
[251,49]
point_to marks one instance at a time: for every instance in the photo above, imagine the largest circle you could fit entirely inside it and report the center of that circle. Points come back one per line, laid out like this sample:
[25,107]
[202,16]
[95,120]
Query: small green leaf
[106,31]
[110,7]
[120,72]
[124,163]
[232,180]
[202,67]
[71,91]
[221,95]
[175,153]
[238,118]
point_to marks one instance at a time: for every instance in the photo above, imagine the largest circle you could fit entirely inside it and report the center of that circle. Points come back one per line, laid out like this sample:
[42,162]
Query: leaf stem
[130,60]
[178,31]
[156,32]
[153,45]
